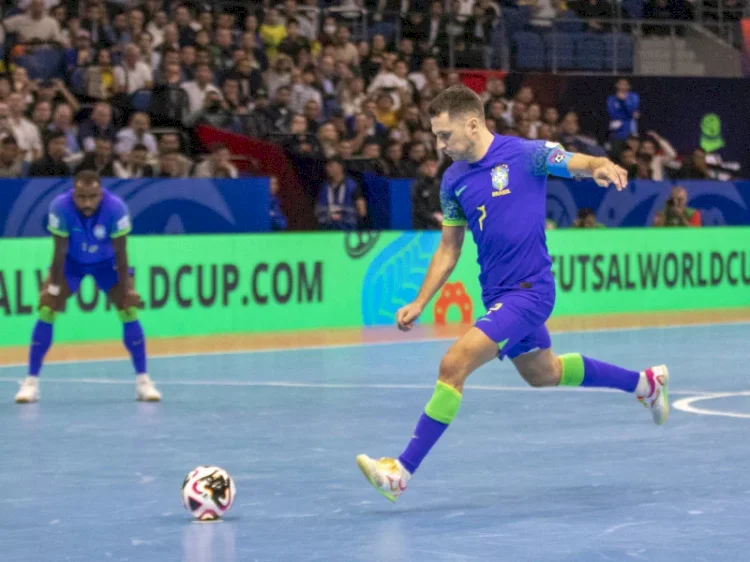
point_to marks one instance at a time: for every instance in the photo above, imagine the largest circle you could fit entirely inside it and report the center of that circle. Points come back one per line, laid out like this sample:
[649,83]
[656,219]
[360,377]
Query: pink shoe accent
[651,382]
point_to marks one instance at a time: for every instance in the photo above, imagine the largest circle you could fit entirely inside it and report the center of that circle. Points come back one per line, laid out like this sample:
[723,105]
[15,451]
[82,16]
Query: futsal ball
[208,492]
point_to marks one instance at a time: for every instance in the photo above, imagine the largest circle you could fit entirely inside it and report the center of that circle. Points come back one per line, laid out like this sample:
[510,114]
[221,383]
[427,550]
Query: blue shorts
[515,321]
[104,274]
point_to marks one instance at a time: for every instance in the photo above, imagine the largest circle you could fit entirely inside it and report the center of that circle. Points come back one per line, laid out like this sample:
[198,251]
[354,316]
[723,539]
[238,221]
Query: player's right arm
[55,289]
[442,263]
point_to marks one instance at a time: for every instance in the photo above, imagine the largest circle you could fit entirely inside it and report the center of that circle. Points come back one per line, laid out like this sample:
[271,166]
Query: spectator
[134,165]
[294,43]
[394,161]
[662,154]
[696,168]
[35,25]
[41,115]
[307,27]
[52,164]
[100,160]
[11,159]
[279,75]
[624,111]
[218,165]
[198,89]
[305,91]
[627,159]
[169,143]
[573,140]
[345,49]
[676,212]
[95,24]
[25,132]
[328,137]
[99,125]
[186,28]
[587,219]
[425,196]
[385,112]
[272,32]
[340,202]
[643,169]
[169,165]
[133,74]
[278,219]
[100,77]
[249,80]
[137,133]
[223,51]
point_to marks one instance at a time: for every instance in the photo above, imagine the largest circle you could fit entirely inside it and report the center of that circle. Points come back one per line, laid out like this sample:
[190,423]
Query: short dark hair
[87,177]
[456,100]
[54,135]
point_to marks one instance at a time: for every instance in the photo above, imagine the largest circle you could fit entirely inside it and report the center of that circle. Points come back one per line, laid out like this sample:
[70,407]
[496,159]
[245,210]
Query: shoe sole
[25,401]
[362,462]
[148,399]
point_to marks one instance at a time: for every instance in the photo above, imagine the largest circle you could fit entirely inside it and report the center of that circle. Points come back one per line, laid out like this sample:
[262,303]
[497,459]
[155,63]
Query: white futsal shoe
[386,475]
[145,389]
[652,392]
[29,391]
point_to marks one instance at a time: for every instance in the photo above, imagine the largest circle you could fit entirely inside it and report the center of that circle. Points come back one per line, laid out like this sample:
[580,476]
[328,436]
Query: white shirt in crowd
[127,139]
[28,138]
[197,95]
[133,79]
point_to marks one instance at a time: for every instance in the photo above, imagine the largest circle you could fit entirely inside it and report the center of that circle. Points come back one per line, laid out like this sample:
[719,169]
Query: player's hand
[53,302]
[131,300]
[608,173]
[407,315]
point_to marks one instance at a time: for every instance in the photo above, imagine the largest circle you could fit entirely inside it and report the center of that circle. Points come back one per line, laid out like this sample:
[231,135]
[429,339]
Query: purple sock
[41,340]
[596,373]
[135,343]
[426,434]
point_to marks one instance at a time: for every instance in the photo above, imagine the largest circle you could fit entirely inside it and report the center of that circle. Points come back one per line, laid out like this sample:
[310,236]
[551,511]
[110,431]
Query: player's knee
[453,369]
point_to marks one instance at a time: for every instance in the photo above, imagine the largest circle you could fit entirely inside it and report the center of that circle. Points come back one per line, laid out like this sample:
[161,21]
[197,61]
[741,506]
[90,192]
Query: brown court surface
[322,338]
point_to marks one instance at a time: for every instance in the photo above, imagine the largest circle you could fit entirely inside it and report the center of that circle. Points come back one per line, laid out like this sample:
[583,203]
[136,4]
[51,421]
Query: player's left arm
[561,163]
[123,293]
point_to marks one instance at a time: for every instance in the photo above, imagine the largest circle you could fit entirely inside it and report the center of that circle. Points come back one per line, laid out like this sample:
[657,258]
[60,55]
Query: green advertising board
[200,285]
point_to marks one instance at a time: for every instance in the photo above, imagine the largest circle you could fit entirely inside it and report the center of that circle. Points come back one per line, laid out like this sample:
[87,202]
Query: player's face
[455,136]
[87,196]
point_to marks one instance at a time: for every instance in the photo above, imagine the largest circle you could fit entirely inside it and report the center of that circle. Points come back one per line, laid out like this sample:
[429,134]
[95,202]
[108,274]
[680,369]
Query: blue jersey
[90,237]
[502,199]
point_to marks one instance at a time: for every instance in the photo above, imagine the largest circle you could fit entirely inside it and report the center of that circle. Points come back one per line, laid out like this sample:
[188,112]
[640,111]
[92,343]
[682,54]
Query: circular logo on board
[100,232]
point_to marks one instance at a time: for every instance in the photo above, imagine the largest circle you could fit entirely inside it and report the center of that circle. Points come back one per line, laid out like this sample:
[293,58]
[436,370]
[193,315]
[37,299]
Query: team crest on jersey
[500,180]
[100,232]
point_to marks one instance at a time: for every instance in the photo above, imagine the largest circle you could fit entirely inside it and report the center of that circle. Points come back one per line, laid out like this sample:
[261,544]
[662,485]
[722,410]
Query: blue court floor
[522,475]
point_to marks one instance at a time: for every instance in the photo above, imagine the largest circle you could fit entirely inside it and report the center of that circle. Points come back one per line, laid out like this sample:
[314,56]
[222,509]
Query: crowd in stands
[116,88]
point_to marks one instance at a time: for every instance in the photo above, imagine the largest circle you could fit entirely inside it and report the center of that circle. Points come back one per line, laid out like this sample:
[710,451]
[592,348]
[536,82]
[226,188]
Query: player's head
[457,118]
[87,192]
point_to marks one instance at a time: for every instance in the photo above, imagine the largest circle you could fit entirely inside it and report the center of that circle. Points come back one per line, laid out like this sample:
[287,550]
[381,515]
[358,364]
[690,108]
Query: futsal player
[90,227]
[497,187]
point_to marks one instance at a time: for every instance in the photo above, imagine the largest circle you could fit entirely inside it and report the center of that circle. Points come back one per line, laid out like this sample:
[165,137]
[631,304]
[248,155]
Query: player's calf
[134,341]
[41,341]
[540,368]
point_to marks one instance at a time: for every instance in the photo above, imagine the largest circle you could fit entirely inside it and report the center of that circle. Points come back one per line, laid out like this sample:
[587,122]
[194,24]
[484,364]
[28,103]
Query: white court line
[686,405]
[346,386]
[367,344]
